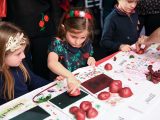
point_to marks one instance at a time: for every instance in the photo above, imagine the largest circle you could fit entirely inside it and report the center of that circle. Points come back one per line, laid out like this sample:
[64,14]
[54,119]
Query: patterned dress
[72,58]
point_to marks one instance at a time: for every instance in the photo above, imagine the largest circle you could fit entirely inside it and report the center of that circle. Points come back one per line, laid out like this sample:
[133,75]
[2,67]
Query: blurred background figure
[106,7]
[149,15]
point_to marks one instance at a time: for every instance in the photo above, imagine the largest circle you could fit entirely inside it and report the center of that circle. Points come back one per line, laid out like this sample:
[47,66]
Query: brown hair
[7,30]
[78,23]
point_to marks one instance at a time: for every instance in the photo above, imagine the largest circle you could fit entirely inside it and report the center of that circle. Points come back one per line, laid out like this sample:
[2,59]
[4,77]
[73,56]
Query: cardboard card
[97,83]
[63,100]
[35,113]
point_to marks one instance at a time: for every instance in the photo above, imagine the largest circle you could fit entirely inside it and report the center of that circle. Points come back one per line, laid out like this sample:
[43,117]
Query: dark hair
[76,22]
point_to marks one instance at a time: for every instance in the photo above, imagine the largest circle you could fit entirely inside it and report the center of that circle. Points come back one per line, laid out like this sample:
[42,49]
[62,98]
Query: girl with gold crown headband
[72,48]
[15,77]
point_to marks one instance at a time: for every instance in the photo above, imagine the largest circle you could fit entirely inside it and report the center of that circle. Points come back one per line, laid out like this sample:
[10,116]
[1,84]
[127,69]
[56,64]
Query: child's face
[127,5]
[76,37]
[15,58]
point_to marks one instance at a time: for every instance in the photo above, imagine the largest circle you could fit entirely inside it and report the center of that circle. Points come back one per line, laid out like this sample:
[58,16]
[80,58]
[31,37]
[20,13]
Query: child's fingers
[146,47]
[126,48]
[72,90]
[59,78]
[158,48]
[91,61]
[73,86]
[138,46]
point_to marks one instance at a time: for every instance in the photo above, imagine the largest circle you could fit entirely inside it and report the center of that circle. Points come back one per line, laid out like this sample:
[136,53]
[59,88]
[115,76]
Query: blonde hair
[6,30]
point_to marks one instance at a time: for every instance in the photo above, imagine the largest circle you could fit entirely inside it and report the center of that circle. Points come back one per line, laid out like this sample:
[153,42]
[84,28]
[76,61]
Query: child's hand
[142,41]
[125,48]
[73,84]
[91,61]
[59,78]
[158,48]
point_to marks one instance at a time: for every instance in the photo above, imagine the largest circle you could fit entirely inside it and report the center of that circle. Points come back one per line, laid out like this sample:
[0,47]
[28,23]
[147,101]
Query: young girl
[120,29]
[15,78]
[72,48]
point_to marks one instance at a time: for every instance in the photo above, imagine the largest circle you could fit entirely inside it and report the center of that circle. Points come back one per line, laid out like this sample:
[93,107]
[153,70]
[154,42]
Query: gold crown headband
[15,43]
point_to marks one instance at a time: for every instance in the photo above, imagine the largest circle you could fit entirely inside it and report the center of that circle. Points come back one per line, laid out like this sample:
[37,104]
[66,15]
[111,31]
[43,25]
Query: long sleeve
[35,80]
[107,40]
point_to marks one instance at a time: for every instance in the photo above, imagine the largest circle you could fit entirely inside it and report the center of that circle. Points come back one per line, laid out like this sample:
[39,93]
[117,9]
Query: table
[143,105]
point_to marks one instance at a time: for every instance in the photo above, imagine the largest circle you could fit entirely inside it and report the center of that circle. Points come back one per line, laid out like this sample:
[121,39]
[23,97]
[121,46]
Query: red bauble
[80,115]
[115,86]
[46,18]
[73,109]
[125,92]
[85,105]
[92,113]
[108,66]
[141,51]
[104,95]
[41,23]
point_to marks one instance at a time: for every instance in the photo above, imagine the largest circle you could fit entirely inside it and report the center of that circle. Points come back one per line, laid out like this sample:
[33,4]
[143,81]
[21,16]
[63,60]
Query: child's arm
[55,66]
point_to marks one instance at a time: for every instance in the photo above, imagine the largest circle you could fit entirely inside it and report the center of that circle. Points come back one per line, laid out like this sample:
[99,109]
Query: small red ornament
[41,23]
[73,109]
[86,55]
[125,92]
[88,16]
[76,13]
[141,51]
[115,86]
[46,18]
[108,66]
[103,95]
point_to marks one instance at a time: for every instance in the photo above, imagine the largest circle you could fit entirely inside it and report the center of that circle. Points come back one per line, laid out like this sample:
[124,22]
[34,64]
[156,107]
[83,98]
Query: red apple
[80,115]
[85,105]
[104,95]
[141,51]
[73,109]
[76,93]
[125,92]
[92,113]
[115,86]
[108,66]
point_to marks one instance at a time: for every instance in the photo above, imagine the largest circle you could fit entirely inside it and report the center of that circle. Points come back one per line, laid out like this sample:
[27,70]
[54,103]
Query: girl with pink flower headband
[72,48]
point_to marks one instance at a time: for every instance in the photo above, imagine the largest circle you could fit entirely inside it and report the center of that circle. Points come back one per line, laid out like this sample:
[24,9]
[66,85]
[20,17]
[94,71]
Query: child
[72,48]
[120,27]
[15,77]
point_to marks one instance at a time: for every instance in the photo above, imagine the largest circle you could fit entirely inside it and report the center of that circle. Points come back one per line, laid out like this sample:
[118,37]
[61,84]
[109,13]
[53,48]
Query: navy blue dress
[20,86]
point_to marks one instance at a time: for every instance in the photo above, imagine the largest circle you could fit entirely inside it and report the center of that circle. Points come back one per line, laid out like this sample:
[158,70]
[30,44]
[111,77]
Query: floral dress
[72,58]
